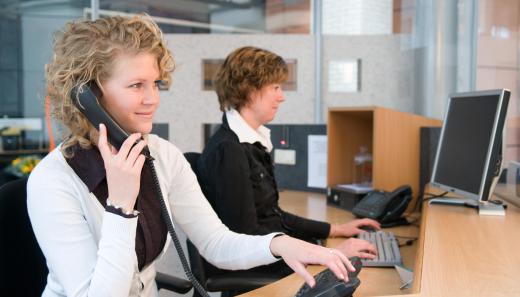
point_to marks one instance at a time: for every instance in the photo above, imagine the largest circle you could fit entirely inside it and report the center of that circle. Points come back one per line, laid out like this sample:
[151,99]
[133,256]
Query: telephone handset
[86,100]
[385,207]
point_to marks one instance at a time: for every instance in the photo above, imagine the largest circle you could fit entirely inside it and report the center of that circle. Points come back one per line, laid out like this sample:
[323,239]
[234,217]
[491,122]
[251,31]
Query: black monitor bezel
[486,182]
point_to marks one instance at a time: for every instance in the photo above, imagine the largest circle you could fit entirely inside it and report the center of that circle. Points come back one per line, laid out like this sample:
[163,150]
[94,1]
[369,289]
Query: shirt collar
[246,133]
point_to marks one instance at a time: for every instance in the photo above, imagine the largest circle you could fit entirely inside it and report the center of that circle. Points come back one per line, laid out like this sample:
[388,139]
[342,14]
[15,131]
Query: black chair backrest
[193,158]
[23,271]
[196,260]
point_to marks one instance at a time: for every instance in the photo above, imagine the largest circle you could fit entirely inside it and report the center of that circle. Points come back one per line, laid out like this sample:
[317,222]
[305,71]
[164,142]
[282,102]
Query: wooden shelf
[392,137]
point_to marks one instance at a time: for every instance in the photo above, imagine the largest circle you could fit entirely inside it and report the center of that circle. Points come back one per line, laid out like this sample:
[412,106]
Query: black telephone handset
[384,207]
[86,100]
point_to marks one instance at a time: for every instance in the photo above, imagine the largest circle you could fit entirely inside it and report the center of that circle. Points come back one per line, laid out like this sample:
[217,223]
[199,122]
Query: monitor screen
[470,144]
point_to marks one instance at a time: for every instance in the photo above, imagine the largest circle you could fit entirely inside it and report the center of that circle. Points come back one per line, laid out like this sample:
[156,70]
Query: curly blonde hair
[85,51]
[245,70]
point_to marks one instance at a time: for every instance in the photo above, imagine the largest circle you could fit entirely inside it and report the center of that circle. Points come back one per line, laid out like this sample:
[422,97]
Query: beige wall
[387,71]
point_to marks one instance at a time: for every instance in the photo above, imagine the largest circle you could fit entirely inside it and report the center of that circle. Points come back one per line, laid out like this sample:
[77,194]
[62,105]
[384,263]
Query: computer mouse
[357,263]
[328,285]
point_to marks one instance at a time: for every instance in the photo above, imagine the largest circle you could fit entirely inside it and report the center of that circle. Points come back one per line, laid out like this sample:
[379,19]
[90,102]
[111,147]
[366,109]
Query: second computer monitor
[470,146]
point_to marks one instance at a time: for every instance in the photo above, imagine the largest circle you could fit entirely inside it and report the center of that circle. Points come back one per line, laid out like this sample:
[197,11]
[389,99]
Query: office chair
[229,282]
[23,271]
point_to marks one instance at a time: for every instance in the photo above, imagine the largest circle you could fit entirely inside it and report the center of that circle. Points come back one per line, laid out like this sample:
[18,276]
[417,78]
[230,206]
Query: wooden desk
[459,253]
[374,281]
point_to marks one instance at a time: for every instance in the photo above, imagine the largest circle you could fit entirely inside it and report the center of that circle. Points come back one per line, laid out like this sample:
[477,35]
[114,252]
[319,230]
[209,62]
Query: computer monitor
[469,152]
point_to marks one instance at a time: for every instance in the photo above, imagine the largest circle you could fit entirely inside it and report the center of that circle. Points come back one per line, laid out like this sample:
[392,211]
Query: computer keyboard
[328,285]
[387,246]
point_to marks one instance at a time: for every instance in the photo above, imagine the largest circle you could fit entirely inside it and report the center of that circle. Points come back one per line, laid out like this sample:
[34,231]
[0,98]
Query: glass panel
[497,67]
[220,16]
[26,35]
[357,17]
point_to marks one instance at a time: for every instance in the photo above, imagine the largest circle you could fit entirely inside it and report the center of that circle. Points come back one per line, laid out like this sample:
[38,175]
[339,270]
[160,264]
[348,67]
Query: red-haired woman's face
[265,102]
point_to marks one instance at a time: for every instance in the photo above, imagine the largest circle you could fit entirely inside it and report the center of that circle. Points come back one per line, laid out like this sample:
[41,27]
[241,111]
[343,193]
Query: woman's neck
[249,116]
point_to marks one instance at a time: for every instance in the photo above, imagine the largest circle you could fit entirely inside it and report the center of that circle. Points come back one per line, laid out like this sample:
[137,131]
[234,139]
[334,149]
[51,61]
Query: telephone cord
[171,230]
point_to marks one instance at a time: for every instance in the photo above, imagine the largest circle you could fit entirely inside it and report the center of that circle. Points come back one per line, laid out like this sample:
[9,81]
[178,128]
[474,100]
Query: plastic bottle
[363,167]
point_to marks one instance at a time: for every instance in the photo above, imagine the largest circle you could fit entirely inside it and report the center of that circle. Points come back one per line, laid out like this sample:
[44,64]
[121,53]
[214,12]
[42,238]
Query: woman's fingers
[138,165]
[135,152]
[127,145]
[300,269]
[345,261]
[365,255]
[297,253]
[371,223]
[370,248]
[103,146]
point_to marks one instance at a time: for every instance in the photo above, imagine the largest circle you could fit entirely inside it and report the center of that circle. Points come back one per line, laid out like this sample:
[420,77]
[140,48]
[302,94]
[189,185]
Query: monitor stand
[491,209]
[484,208]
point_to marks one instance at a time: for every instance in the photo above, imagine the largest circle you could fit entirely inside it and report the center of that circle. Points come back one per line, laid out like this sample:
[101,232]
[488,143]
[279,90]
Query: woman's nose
[281,98]
[151,96]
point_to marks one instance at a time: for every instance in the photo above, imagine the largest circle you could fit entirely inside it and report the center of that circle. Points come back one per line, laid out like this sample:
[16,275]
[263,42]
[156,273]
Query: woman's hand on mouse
[298,253]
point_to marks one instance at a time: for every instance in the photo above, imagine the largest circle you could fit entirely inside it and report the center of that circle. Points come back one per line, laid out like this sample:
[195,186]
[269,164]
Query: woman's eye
[136,85]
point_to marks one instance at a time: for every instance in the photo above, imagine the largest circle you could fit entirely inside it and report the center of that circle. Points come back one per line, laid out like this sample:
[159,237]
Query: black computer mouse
[328,285]
[356,262]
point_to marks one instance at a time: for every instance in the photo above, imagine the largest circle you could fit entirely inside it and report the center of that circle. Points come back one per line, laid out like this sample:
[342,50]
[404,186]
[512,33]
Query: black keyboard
[328,285]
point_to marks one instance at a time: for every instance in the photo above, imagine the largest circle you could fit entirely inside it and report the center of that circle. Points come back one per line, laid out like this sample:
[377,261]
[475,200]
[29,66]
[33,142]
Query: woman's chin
[143,130]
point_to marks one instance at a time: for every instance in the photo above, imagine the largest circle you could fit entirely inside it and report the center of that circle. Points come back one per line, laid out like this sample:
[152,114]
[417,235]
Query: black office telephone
[85,98]
[385,207]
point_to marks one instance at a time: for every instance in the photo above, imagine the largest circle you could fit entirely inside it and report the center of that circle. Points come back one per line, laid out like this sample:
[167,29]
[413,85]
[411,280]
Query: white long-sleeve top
[91,252]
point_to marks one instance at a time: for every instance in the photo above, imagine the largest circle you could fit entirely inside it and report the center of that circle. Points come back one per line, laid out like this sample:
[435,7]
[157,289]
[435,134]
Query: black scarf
[151,230]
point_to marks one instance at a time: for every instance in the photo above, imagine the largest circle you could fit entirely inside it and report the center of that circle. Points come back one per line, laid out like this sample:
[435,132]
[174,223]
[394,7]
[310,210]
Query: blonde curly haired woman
[92,206]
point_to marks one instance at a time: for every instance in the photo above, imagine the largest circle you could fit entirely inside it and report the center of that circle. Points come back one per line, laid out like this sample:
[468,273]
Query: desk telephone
[385,207]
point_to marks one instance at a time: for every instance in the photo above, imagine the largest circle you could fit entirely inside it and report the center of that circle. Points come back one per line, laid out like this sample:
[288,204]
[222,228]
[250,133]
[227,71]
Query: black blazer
[238,180]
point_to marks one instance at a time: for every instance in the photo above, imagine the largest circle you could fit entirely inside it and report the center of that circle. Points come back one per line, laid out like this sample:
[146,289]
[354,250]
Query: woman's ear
[255,95]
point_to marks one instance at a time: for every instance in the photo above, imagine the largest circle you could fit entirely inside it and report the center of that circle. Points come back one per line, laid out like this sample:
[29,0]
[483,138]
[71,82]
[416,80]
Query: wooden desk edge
[420,252]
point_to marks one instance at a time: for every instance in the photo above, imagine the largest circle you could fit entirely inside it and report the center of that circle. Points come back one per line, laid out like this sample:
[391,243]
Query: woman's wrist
[333,230]
[118,209]
[275,243]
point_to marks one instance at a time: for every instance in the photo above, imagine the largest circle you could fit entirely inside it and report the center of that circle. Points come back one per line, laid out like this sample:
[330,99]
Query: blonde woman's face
[131,94]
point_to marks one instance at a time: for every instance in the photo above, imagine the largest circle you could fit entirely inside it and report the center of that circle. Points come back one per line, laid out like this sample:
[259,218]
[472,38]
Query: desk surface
[459,253]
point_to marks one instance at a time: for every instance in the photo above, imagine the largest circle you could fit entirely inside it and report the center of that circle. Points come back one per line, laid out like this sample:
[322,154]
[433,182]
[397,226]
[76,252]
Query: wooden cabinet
[392,137]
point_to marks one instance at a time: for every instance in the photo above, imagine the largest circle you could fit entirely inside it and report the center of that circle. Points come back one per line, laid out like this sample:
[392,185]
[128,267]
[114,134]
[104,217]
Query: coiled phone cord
[171,230]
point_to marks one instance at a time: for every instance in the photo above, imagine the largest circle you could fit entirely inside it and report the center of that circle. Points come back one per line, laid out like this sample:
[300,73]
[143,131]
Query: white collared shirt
[246,133]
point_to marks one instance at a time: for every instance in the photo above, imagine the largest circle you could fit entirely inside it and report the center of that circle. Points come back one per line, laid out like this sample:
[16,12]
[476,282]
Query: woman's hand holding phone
[123,168]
